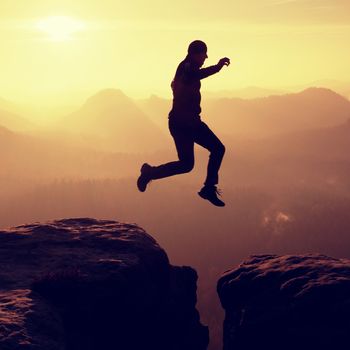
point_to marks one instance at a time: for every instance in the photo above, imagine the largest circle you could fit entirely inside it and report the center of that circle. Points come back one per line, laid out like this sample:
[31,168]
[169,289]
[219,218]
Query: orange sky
[136,45]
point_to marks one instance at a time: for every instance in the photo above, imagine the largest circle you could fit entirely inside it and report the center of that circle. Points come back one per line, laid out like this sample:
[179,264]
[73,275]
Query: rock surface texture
[287,302]
[94,285]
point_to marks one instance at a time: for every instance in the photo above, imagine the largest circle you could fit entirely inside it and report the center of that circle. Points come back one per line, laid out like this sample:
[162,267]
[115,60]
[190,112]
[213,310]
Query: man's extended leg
[185,151]
[207,139]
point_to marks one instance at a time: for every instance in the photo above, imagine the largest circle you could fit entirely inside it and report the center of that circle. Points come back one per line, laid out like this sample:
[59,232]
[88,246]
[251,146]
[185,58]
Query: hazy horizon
[75,98]
[44,114]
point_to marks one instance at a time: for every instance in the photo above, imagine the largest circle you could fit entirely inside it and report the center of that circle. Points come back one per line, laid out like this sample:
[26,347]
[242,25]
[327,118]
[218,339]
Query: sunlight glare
[60,28]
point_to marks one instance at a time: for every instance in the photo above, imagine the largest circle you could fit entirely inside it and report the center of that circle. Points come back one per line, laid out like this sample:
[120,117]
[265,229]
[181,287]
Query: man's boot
[145,177]
[210,193]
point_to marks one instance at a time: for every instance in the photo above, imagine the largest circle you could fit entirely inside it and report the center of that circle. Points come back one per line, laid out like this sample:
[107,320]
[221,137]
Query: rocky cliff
[94,284]
[287,302]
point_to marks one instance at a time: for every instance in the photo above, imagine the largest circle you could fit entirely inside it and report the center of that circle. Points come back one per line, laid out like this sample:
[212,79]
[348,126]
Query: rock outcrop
[287,302]
[94,285]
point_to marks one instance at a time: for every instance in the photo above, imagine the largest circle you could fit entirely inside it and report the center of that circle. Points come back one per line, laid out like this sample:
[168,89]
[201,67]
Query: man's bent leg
[207,139]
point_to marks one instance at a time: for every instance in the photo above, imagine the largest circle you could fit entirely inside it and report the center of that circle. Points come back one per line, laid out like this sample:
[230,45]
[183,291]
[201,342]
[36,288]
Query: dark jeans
[185,136]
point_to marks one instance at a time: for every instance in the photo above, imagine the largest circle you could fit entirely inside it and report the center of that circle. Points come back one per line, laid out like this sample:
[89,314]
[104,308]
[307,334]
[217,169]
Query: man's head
[197,52]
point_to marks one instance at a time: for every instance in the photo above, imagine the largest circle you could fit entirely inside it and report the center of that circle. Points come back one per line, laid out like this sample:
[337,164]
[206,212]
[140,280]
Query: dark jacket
[186,91]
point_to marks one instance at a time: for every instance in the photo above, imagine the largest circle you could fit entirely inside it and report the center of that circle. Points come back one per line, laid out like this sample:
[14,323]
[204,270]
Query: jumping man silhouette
[186,126]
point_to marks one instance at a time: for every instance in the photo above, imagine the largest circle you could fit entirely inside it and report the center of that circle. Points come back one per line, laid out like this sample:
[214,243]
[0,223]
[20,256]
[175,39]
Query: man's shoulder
[186,68]
[183,64]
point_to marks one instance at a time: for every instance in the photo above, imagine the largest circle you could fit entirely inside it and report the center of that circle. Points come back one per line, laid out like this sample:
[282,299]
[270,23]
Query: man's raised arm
[206,72]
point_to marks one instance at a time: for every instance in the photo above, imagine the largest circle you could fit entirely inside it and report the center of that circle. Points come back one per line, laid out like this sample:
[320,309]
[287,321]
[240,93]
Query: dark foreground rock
[94,285]
[287,302]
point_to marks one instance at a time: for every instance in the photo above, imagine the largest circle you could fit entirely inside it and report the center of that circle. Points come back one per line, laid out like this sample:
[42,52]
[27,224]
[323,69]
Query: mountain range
[261,117]
[112,121]
[12,120]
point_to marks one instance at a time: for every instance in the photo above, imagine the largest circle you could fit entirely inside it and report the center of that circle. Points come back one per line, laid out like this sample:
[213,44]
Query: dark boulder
[94,285]
[287,302]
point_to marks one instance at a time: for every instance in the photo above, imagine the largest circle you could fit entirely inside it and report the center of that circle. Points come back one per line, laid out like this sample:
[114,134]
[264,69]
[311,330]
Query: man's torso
[186,94]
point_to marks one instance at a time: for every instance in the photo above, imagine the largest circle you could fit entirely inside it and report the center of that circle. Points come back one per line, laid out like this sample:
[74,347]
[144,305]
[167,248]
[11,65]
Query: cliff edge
[287,302]
[94,284]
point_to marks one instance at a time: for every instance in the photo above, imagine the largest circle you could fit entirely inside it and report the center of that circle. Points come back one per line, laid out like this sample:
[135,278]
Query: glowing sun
[60,28]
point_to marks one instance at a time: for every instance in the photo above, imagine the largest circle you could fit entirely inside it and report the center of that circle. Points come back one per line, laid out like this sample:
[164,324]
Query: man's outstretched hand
[224,62]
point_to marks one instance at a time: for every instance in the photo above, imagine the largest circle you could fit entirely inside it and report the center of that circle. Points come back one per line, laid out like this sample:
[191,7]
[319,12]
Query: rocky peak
[94,284]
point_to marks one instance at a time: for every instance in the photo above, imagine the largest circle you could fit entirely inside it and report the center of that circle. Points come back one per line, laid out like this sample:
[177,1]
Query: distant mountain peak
[155,97]
[107,97]
[314,90]
[5,131]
